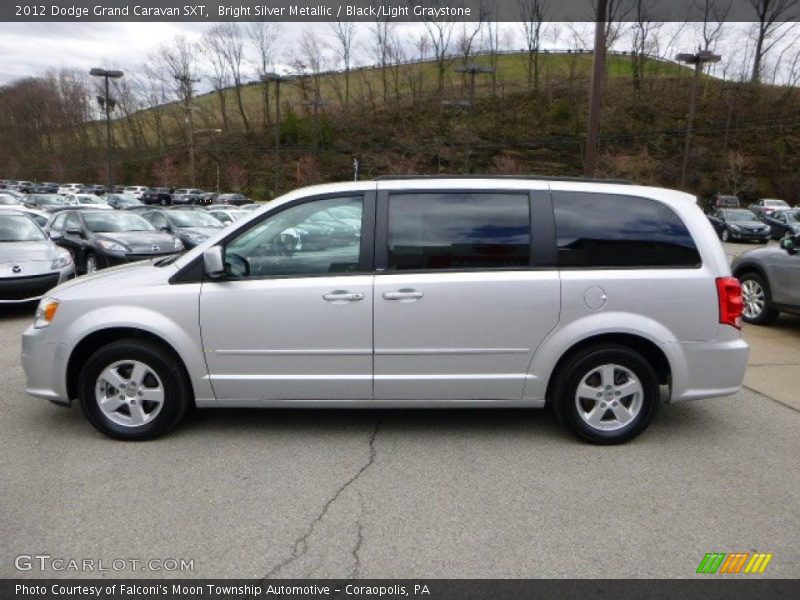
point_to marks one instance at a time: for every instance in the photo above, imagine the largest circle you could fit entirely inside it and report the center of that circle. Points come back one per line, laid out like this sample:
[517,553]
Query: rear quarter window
[606,230]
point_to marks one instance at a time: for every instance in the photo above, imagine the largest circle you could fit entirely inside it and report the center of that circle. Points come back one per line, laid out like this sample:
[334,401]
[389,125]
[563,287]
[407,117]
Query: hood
[206,231]
[141,241]
[20,252]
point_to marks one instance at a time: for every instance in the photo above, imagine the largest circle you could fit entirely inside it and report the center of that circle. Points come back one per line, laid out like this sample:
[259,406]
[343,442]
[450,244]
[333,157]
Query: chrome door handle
[342,296]
[404,295]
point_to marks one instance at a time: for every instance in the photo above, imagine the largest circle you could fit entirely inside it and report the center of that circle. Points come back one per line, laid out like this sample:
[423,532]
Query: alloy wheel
[129,393]
[609,397]
[755,299]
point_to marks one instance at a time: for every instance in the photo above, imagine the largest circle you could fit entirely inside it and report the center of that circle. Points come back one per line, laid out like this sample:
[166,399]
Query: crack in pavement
[300,546]
[357,548]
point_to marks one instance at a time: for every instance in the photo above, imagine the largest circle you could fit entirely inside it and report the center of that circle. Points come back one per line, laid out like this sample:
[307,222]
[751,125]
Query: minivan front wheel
[133,390]
[607,394]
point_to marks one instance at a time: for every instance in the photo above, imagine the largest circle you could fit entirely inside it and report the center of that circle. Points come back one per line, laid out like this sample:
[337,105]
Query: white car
[70,188]
[88,200]
[30,263]
[136,191]
[39,216]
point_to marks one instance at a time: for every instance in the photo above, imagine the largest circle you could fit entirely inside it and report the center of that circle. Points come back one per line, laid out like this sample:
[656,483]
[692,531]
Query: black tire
[164,364]
[768,314]
[583,364]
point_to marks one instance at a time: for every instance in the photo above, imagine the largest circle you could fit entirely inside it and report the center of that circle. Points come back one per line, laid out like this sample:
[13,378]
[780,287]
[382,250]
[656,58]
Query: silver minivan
[594,298]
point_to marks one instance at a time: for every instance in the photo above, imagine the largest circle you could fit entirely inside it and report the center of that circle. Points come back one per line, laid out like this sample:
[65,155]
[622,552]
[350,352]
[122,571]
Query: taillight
[729,293]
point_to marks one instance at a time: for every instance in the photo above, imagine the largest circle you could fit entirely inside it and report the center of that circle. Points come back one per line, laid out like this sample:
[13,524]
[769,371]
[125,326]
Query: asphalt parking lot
[507,493]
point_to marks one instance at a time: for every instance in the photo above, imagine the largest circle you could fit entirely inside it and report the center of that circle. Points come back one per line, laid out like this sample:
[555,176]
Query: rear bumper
[708,369]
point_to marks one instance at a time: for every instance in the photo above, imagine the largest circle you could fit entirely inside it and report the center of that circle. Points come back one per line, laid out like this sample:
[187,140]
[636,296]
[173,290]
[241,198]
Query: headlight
[735,227]
[45,312]
[178,245]
[112,246]
[62,259]
[196,238]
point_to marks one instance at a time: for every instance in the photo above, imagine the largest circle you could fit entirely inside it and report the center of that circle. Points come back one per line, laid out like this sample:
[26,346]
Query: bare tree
[381,33]
[643,31]
[217,71]
[263,36]
[440,34]
[532,16]
[772,14]
[227,42]
[344,31]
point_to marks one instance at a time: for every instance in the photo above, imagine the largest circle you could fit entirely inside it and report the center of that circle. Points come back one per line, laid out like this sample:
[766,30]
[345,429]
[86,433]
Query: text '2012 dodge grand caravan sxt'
[409,292]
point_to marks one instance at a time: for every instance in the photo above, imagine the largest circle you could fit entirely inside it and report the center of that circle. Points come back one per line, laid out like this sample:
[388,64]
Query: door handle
[404,295]
[342,296]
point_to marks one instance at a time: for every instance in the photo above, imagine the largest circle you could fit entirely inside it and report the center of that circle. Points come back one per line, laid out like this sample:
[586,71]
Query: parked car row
[760,222]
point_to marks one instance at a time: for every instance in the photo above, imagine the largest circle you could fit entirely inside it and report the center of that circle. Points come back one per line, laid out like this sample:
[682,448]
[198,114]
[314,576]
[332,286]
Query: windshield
[123,199]
[19,228]
[193,218]
[739,215]
[102,222]
[775,203]
[48,199]
[89,200]
[791,217]
[8,200]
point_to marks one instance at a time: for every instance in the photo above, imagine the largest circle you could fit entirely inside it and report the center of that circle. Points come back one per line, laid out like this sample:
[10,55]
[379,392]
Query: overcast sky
[33,48]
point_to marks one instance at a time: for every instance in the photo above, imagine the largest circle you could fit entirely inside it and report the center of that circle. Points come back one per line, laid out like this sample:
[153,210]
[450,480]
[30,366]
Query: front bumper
[18,290]
[751,236]
[44,362]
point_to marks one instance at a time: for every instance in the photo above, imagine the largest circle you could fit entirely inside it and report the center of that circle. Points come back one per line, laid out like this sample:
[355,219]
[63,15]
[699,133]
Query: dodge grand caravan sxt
[409,292]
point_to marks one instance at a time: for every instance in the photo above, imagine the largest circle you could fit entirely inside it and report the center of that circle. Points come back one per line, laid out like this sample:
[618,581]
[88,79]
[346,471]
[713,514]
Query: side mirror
[788,244]
[55,235]
[214,262]
[163,228]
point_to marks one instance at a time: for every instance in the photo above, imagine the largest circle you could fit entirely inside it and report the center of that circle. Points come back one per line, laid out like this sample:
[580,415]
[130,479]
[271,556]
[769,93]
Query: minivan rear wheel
[133,390]
[606,394]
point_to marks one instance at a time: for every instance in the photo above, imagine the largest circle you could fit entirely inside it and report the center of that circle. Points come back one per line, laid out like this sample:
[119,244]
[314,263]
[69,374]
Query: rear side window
[604,230]
[456,230]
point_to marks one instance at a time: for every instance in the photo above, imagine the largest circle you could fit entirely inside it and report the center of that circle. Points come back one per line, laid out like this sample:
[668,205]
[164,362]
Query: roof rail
[477,176]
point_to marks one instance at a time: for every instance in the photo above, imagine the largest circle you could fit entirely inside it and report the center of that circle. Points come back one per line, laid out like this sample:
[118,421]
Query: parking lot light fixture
[107,103]
[699,59]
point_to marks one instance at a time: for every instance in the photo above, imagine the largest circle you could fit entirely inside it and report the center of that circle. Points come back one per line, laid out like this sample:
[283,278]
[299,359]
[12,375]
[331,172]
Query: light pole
[108,104]
[278,79]
[702,57]
[216,150]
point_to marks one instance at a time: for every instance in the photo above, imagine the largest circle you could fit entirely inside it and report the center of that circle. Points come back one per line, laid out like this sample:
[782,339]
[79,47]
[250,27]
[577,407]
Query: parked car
[738,224]
[135,190]
[234,199]
[4,183]
[770,281]
[192,227]
[592,298]
[8,199]
[208,197]
[87,200]
[30,264]
[783,223]
[39,217]
[46,202]
[70,188]
[95,188]
[47,187]
[102,238]
[767,206]
[161,196]
[187,196]
[226,216]
[22,186]
[120,201]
